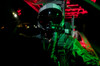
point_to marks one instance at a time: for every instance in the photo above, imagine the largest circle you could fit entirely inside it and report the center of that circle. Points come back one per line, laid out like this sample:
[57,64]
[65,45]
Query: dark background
[88,24]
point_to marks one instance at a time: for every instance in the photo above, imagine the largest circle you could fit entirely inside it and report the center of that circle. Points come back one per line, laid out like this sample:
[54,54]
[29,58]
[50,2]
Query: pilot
[61,49]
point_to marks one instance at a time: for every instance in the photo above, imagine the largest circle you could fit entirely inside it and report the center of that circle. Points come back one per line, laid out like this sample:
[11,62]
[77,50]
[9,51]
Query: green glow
[58,63]
[88,43]
[49,46]
[57,14]
[84,53]
[54,44]
[77,51]
[93,4]
[53,27]
[62,23]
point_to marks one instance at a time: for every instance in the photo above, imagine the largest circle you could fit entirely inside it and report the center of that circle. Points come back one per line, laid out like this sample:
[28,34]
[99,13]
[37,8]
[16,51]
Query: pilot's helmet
[50,16]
